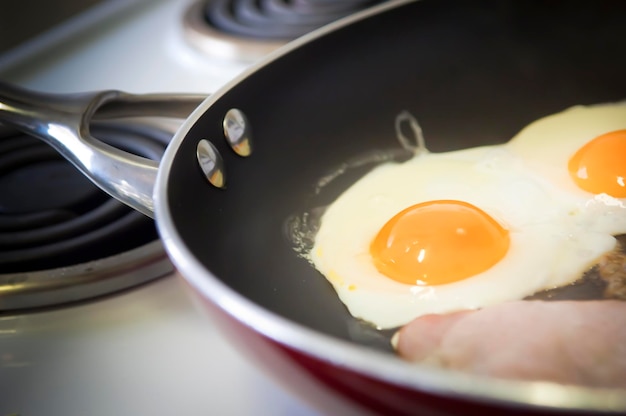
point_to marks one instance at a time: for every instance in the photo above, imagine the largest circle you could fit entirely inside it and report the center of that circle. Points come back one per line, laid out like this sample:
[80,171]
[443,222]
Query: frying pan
[318,114]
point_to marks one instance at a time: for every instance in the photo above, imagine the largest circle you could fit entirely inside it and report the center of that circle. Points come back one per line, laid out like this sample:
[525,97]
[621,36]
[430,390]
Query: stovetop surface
[146,350]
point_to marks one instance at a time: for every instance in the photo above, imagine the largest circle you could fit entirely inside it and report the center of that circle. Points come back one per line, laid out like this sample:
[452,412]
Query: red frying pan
[290,134]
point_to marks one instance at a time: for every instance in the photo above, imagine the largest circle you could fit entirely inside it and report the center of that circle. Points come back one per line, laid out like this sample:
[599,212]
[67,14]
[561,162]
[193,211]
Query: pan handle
[63,121]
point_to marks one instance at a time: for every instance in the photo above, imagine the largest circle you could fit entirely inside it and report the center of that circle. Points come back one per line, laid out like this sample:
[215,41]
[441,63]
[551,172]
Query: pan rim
[377,365]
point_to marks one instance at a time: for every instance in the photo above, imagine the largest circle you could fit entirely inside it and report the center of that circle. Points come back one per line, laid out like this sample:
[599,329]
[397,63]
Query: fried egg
[466,229]
[590,142]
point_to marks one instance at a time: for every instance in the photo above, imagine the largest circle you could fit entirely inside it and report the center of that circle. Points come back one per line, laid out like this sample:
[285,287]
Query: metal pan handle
[63,121]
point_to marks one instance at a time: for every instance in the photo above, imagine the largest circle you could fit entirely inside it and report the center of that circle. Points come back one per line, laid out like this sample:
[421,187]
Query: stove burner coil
[246,30]
[62,238]
[277,19]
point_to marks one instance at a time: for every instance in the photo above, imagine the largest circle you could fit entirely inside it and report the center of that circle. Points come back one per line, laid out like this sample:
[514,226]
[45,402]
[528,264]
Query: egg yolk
[600,165]
[438,242]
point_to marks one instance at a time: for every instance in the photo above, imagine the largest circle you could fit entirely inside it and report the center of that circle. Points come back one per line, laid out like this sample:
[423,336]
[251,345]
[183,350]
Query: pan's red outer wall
[337,390]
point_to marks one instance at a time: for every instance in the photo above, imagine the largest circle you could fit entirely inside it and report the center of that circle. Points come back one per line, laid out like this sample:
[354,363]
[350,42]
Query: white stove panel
[146,351]
[136,48]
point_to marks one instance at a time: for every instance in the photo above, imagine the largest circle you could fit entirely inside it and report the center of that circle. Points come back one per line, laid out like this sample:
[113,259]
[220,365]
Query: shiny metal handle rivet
[237,132]
[211,163]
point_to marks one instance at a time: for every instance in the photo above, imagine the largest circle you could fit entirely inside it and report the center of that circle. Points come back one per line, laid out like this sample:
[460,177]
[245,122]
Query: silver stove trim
[84,281]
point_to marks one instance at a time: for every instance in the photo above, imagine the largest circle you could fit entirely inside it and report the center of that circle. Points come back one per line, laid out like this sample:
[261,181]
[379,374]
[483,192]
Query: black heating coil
[277,19]
[52,216]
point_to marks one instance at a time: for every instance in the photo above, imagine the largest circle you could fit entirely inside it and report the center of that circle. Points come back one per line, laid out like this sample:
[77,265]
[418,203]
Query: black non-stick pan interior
[472,72]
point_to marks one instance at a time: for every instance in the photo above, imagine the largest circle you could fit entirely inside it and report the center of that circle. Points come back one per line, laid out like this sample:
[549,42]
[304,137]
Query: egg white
[552,241]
